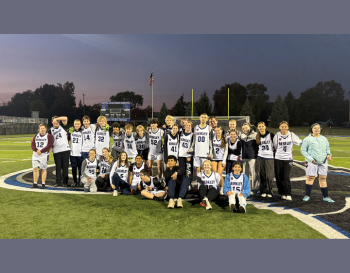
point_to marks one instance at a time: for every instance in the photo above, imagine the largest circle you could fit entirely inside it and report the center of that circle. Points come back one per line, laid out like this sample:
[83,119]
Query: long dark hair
[223,141]
[258,136]
[120,159]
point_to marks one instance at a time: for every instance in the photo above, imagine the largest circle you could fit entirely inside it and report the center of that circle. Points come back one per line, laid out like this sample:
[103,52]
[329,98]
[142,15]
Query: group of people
[251,159]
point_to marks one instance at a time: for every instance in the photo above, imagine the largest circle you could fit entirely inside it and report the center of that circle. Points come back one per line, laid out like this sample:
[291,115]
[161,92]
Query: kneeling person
[151,187]
[134,173]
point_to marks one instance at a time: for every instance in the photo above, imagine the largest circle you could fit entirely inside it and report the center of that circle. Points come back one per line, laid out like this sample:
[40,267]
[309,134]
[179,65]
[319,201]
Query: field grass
[48,215]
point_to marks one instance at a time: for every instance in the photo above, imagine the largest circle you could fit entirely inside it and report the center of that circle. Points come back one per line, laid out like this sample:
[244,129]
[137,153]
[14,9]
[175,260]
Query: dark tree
[203,105]
[279,112]
[135,100]
[179,108]
[162,114]
[247,111]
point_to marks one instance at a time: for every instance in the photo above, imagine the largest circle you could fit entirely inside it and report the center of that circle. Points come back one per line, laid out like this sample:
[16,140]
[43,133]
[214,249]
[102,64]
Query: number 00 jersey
[201,147]
[155,141]
[266,147]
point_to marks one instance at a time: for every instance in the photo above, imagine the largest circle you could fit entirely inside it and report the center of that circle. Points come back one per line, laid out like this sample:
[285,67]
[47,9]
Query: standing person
[134,173]
[208,184]
[41,145]
[219,150]
[150,187]
[202,142]
[232,124]
[213,122]
[88,137]
[105,165]
[75,136]
[118,140]
[236,187]
[60,149]
[265,160]
[142,141]
[155,146]
[283,143]
[102,136]
[315,149]
[130,143]
[183,122]
[119,174]
[171,143]
[177,183]
[185,158]
[89,167]
[168,126]
[249,155]
[233,150]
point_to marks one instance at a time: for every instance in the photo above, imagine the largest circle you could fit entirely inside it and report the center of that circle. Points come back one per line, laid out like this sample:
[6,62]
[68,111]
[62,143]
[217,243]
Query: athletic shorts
[153,157]
[316,169]
[134,186]
[198,161]
[143,153]
[154,192]
[216,160]
[40,161]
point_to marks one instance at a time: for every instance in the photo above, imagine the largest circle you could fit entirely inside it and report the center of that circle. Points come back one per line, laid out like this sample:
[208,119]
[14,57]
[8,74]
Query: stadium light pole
[84,102]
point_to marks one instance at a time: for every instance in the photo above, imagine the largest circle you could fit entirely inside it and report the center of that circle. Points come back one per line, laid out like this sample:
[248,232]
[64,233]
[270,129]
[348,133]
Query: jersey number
[185,145]
[75,140]
[58,136]
[285,148]
[40,144]
[153,141]
[265,147]
[201,139]
[217,150]
[173,149]
[87,137]
[101,138]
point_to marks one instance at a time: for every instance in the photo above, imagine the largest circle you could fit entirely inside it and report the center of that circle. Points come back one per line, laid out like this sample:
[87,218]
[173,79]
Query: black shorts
[143,153]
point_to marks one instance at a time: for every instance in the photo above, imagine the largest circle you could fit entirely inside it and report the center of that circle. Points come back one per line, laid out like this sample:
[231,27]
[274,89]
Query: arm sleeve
[226,184]
[49,144]
[32,144]
[246,186]
[304,151]
[199,181]
[113,169]
[180,171]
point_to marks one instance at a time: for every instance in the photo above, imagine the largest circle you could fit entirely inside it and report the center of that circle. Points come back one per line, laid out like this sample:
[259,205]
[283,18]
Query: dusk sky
[102,65]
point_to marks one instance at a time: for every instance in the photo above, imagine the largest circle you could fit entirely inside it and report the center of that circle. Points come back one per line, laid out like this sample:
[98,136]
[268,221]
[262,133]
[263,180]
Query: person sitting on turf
[236,186]
[103,181]
[134,173]
[118,176]
[176,182]
[151,187]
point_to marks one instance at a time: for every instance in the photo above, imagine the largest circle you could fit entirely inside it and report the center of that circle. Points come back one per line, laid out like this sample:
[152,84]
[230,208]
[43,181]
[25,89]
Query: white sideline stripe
[347,206]
[328,165]
[308,219]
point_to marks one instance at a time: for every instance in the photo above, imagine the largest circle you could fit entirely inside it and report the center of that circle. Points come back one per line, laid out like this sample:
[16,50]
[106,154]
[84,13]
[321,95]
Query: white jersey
[90,169]
[236,184]
[104,167]
[141,143]
[213,180]
[136,173]
[102,141]
[185,144]
[150,184]
[218,152]
[122,171]
[228,135]
[118,143]
[201,141]
[266,147]
[76,142]
[172,146]
[60,141]
[284,145]
[130,146]
[233,146]
[88,138]
[155,141]
[40,143]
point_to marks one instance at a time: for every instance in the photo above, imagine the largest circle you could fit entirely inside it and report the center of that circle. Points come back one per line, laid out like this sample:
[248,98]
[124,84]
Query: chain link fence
[20,125]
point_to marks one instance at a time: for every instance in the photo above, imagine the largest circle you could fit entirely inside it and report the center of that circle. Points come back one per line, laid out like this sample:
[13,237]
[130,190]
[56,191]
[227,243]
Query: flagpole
[152,91]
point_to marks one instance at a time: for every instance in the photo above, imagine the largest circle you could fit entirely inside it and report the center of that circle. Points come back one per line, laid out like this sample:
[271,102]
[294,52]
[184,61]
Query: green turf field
[48,215]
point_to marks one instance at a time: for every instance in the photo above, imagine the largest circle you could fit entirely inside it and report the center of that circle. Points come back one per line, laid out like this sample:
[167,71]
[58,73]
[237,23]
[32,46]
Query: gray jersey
[104,167]
[118,142]
[141,143]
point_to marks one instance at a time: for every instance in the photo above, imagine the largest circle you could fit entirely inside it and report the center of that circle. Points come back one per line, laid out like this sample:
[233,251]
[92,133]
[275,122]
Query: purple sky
[102,65]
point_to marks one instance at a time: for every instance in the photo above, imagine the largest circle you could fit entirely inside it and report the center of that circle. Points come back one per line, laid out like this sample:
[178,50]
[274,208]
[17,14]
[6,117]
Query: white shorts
[198,161]
[316,169]
[154,192]
[153,157]
[134,186]
[42,164]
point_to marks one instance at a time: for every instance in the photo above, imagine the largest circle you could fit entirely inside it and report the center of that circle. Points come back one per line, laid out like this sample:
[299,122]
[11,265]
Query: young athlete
[130,143]
[41,145]
[232,124]
[177,183]
[249,155]
[155,146]
[185,158]
[102,136]
[237,188]
[134,173]
[105,165]
[183,122]
[150,187]
[315,149]
[60,149]
[89,174]
[202,142]
[75,136]
[88,137]
[118,140]
[219,150]
[169,120]
[208,184]
[171,143]
[118,175]
[213,122]
[283,143]
[233,150]
[265,160]
[142,141]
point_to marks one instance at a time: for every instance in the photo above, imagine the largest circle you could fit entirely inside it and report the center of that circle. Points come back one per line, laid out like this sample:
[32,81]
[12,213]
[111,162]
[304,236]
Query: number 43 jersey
[185,144]
[266,146]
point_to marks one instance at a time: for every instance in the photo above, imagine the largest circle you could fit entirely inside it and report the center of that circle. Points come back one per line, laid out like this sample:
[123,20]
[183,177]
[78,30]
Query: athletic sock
[308,189]
[43,183]
[35,182]
[324,192]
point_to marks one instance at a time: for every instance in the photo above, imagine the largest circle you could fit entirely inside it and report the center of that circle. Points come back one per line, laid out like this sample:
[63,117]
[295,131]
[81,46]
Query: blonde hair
[168,117]
[102,118]
[207,161]
[232,120]
[140,127]
[190,122]
[204,114]
[109,156]
[129,126]
[77,120]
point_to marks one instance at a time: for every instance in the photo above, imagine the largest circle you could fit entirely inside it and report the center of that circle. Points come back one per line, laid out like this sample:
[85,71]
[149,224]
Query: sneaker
[86,190]
[34,186]
[115,193]
[171,204]
[65,185]
[232,207]
[329,200]
[42,186]
[179,203]
[307,198]
[251,193]
[222,191]
[289,198]
[74,184]
[283,197]
[263,195]
[208,206]
[242,208]
[56,185]
[269,195]
[202,204]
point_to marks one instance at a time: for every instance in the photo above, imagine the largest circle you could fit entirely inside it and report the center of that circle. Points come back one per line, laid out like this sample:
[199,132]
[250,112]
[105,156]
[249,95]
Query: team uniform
[155,185]
[284,160]
[218,152]
[89,170]
[186,159]
[130,146]
[44,144]
[118,176]
[233,153]
[135,172]
[237,184]
[118,144]
[142,145]
[208,186]
[76,142]
[155,144]
[201,145]
[61,152]
[265,163]
[88,140]
[102,141]
[171,146]
[227,135]
[103,183]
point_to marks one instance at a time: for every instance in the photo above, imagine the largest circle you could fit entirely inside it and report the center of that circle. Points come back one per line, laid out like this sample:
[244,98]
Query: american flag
[151,80]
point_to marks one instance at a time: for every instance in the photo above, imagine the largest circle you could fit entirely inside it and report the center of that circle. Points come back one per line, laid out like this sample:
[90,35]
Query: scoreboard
[116,111]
